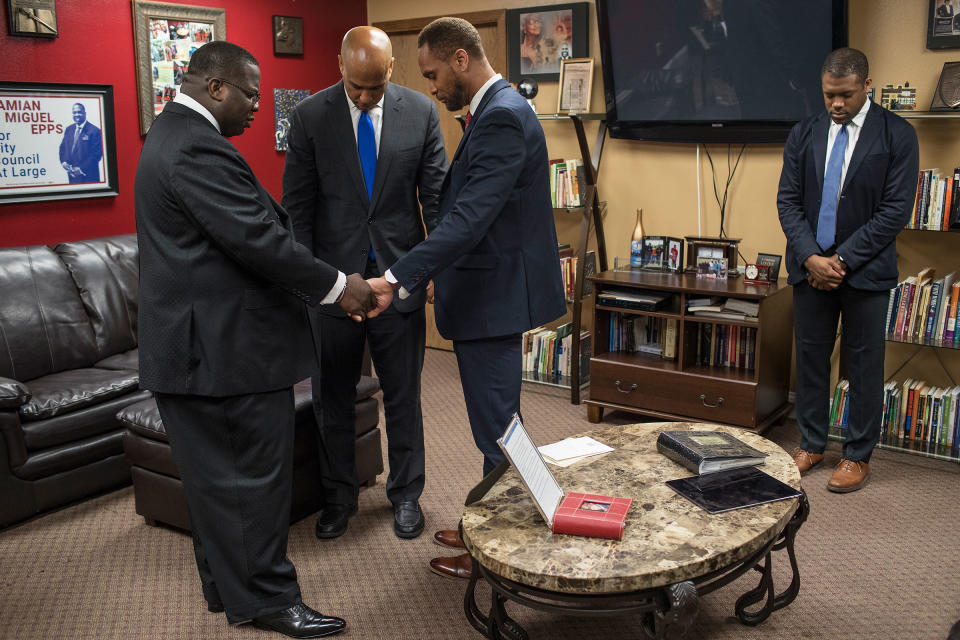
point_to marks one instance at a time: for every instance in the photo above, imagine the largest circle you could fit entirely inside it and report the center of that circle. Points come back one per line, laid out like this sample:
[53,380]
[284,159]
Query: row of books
[913,412]
[936,205]
[721,345]
[568,271]
[924,308]
[567,184]
[547,354]
[643,334]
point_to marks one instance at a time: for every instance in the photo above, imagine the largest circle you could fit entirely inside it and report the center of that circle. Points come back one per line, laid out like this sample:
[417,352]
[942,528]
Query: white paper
[574,448]
[523,455]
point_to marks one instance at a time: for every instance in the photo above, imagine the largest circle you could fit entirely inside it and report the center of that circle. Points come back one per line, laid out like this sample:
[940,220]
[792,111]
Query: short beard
[458,98]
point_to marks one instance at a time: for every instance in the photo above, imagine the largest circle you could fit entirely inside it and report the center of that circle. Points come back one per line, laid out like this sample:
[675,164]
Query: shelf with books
[577,210]
[746,322]
[739,377]
[936,344]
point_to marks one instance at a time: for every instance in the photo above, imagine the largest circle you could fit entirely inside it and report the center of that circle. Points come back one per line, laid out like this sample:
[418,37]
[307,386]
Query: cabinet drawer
[713,399]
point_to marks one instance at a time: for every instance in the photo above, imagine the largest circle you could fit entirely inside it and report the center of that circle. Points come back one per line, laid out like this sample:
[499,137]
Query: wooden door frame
[496,17]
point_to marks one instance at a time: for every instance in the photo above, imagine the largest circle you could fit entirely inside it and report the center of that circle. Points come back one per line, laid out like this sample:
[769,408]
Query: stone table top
[667,539]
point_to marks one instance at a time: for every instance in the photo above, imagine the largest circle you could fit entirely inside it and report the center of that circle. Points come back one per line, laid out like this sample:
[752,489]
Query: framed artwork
[538,38]
[166,35]
[674,257]
[576,81]
[287,36]
[654,252]
[35,18]
[285,101]
[772,261]
[58,141]
[943,24]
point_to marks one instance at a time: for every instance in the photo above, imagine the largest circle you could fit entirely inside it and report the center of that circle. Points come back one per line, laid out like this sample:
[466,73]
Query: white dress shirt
[853,134]
[376,116]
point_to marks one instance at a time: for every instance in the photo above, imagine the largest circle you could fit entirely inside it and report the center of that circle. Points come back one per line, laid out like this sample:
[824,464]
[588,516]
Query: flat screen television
[714,70]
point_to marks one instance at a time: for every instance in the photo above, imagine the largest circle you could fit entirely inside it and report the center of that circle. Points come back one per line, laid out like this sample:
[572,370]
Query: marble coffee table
[672,552]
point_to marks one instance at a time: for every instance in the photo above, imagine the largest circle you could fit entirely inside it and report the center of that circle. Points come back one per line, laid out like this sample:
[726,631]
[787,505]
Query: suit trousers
[816,314]
[396,346]
[235,458]
[490,370]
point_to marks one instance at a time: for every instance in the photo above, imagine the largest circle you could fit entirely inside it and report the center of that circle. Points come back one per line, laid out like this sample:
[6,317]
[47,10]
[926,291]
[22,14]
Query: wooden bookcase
[682,389]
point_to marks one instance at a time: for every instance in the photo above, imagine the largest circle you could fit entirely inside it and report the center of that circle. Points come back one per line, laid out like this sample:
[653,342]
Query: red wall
[96,46]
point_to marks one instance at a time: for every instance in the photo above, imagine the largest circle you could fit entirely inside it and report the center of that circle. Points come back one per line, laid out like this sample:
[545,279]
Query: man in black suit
[360,153]
[224,334]
[494,254]
[847,189]
[81,149]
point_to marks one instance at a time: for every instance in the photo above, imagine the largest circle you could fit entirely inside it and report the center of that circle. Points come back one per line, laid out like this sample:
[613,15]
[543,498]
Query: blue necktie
[827,223]
[367,145]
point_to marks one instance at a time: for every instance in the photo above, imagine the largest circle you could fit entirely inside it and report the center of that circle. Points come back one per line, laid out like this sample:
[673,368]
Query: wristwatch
[840,258]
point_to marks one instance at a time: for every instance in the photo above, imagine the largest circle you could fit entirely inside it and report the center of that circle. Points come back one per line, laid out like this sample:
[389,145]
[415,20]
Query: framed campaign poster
[57,141]
[943,24]
[166,35]
[538,38]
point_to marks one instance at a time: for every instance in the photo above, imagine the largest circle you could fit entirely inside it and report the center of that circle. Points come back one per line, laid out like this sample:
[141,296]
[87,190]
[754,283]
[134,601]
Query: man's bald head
[366,64]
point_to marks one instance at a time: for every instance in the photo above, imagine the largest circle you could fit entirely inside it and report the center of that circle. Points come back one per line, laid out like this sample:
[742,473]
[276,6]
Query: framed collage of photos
[538,38]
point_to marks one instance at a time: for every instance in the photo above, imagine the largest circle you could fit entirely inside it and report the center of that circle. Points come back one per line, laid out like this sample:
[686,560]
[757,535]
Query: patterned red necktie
[466,120]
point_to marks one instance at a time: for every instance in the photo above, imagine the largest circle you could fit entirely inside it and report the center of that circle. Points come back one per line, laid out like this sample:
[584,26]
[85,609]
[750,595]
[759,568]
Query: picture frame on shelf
[773,261]
[674,256]
[943,24]
[70,152]
[33,18]
[287,36]
[711,267]
[166,35]
[538,38]
[654,253]
[576,83]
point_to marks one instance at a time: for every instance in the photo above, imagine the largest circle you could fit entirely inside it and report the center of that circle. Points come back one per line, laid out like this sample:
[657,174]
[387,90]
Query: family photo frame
[538,38]
[166,35]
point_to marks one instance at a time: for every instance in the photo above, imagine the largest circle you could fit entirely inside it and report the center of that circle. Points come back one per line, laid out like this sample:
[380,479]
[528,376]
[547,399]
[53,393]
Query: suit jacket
[86,154]
[493,257]
[222,281]
[325,193]
[876,198]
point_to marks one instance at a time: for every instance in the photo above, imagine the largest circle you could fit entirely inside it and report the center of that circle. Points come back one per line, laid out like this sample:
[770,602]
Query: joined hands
[825,273]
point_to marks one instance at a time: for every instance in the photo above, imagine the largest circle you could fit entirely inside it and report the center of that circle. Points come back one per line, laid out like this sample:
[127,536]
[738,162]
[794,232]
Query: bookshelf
[687,388]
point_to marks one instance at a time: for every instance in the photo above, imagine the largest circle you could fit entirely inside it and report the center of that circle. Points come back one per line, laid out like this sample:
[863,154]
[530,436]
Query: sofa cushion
[126,360]
[12,393]
[70,456]
[143,418]
[43,325]
[76,425]
[67,391]
[106,272]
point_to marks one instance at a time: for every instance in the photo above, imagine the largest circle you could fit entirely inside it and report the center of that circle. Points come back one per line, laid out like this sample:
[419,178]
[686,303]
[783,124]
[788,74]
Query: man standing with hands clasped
[224,335]
[364,155]
[493,257]
[847,189]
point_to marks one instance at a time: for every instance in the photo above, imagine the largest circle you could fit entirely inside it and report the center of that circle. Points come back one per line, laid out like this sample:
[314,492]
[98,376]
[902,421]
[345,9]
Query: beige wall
[662,178]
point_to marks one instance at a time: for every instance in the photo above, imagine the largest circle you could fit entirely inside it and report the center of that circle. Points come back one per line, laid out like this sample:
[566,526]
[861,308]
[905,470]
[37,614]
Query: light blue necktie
[367,146]
[827,223]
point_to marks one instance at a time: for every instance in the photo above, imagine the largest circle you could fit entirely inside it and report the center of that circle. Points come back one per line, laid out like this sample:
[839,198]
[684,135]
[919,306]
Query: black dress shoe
[407,519]
[214,607]
[300,621]
[332,523]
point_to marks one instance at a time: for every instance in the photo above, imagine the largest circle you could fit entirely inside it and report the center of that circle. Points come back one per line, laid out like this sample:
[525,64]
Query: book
[578,514]
[707,451]
[746,307]
[732,489]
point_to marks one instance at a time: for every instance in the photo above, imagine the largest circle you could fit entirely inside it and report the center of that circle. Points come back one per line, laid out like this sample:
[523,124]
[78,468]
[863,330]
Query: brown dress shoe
[849,476]
[805,459]
[449,538]
[454,567]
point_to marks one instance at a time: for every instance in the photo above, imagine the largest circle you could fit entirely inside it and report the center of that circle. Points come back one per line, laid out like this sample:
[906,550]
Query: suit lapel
[391,128]
[820,129]
[868,137]
[495,88]
[342,126]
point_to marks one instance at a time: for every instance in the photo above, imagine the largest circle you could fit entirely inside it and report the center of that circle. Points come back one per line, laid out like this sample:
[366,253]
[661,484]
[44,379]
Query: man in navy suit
[493,257]
[847,189]
[81,149]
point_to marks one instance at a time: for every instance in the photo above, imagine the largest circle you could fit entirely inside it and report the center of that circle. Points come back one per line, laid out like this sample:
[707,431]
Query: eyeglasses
[251,95]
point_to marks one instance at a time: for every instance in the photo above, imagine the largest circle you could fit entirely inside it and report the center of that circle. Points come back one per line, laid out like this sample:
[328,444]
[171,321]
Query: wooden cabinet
[683,387]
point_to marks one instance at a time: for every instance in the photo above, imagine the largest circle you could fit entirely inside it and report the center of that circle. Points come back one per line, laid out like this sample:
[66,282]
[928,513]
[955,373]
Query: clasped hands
[825,272]
[369,298]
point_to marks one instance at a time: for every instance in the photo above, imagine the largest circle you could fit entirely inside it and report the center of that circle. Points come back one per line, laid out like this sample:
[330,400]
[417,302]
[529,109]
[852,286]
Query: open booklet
[580,514]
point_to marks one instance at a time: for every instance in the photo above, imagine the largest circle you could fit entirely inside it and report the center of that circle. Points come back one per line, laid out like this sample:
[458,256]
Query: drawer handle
[633,387]
[703,399]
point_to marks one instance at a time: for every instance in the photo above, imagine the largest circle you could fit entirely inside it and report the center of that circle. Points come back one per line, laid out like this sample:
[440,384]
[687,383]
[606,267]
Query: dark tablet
[733,489]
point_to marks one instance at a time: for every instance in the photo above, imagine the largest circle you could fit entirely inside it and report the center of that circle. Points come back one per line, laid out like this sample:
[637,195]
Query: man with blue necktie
[846,190]
[364,156]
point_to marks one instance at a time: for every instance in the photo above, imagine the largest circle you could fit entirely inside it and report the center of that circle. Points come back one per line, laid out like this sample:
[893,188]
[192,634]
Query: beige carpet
[879,563]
